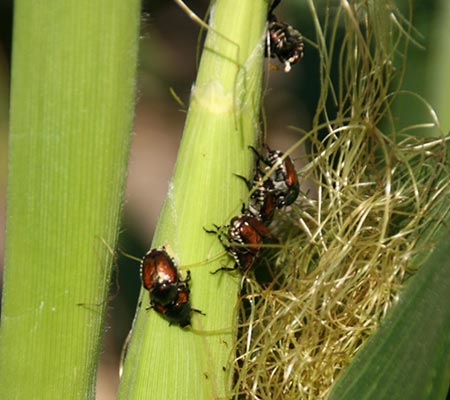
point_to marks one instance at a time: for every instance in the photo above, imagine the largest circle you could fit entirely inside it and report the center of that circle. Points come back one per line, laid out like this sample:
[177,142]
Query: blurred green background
[168,55]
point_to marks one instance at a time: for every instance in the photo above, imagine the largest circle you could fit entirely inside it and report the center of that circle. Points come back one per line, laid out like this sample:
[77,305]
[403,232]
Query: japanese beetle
[262,202]
[160,276]
[284,179]
[169,294]
[283,41]
[179,310]
[247,231]
[244,239]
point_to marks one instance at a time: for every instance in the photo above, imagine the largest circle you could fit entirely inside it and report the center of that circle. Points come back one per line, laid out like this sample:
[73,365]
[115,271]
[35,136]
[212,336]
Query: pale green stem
[72,102]
[167,362]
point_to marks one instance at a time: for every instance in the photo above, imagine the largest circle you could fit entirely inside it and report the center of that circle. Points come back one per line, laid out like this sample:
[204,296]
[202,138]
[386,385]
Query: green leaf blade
[71,117]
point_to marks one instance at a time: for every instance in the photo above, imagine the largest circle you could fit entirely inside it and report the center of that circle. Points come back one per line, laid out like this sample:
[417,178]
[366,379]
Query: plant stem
[167,362]
[72,101]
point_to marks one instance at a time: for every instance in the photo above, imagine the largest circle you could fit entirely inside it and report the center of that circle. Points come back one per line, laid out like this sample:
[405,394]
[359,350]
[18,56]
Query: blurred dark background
[167,59]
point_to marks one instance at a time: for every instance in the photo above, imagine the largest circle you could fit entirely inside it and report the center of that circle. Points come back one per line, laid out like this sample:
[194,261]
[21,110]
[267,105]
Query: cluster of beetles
[274,185]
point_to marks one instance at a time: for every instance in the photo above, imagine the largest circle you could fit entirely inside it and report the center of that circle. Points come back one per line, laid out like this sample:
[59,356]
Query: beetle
[179,310]
[283,41]
[262,202]
[244,239]
[169,294]
[284,179]
[247,231]
[160,276]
